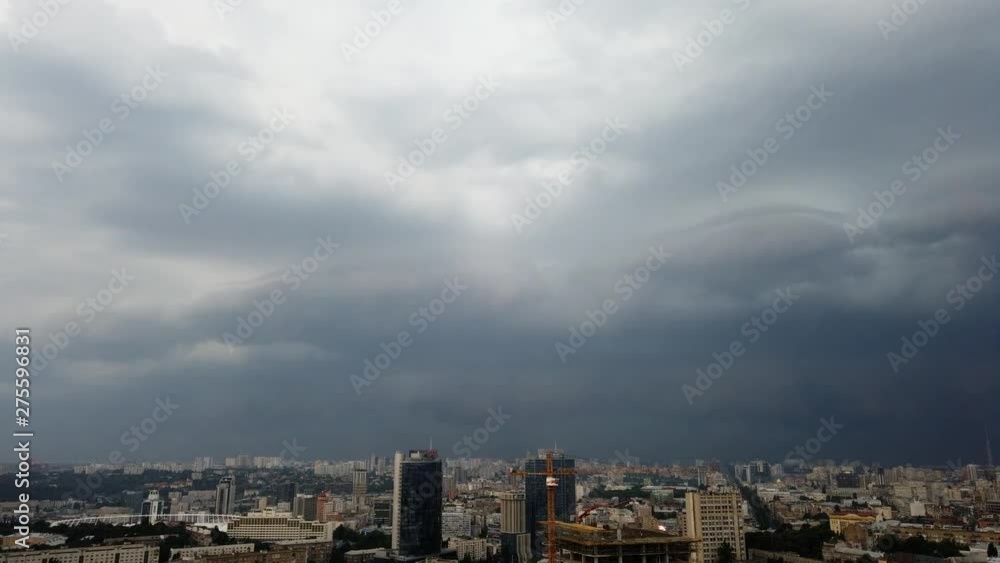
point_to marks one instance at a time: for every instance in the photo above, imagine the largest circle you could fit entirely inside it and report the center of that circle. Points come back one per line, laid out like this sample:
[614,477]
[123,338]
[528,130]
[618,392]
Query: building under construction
[586,544]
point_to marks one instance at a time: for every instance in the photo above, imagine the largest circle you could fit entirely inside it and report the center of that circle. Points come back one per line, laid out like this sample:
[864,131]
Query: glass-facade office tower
[416,506]
[535,503]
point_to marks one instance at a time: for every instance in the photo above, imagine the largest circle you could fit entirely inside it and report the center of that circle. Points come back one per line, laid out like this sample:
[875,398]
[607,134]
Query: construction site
[580,543]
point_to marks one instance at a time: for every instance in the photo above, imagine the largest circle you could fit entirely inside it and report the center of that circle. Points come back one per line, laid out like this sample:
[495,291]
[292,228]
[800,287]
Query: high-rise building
[515,541]
[225,495]
[304,507]
[535,497]
[321,501]
[382,508]
[716,518]
[512,515]
[152,508]
[287,492]
[360,487]
[416,521]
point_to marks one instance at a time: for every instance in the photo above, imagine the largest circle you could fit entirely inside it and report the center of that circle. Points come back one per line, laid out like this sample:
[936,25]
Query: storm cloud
[870,204]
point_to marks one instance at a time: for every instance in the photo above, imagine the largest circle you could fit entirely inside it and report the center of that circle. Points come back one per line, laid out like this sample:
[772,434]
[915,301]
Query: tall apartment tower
[515,541]
[322,500]
[225,495]
[716,518]
[416,503]
[360,487]
[535,497]
[152,508]
[305,507]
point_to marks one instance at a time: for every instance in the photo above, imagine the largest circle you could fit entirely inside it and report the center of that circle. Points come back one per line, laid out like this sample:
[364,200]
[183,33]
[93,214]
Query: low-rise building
[270,525]
[127,553]
[475,548]
[189,553]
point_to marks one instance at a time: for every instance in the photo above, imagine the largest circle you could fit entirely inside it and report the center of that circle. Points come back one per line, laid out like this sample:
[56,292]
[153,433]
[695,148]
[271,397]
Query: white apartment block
[715,518]
[475,548]
[187,553]
[270,525]
[128,553]
[456,524]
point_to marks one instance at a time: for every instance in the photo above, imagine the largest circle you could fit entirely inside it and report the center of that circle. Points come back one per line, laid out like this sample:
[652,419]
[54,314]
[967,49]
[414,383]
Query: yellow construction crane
[551,475]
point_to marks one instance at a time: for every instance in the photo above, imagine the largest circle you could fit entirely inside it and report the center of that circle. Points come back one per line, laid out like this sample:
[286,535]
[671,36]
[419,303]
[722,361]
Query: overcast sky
[839,97]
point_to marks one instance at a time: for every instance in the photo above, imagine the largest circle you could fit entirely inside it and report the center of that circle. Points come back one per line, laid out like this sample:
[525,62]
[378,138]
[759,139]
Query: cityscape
[420,505]
[500,281]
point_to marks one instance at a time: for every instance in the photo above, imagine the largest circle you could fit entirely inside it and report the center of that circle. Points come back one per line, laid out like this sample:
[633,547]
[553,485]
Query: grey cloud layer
[494,346]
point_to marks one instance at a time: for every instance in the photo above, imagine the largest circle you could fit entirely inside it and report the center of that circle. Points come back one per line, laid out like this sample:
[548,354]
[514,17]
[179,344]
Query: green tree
[726,553]
[991,551]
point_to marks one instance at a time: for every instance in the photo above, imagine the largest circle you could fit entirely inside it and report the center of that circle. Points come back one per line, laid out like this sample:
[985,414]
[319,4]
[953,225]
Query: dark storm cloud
[494,346]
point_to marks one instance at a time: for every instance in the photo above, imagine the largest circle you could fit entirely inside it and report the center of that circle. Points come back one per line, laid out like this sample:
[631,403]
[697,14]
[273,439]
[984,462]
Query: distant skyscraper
[416,522]
[535,498]
[152,508]
[287,492]
[360,487]
[225,495]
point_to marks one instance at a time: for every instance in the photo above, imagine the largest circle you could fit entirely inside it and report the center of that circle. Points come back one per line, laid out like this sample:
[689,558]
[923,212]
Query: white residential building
[715,518]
